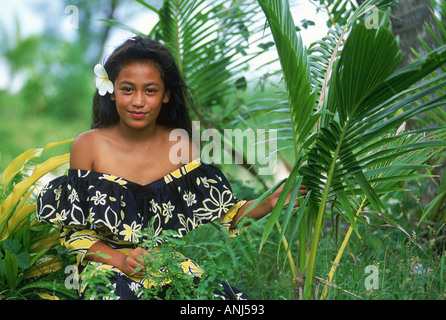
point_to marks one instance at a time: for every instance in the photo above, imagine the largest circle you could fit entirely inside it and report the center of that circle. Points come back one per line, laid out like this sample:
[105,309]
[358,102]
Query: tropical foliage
[348,148]
[343,106]
[24,245]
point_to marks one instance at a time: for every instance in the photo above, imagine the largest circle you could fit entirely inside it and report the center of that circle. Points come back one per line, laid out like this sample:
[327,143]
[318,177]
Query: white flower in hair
[103,83]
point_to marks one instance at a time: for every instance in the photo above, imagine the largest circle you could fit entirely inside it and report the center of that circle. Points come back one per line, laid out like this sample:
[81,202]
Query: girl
[121,177]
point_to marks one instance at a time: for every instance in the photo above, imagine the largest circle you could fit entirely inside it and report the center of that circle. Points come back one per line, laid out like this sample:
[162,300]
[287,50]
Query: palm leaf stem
[329,69]
[290,258]
[320,219]
[341,252]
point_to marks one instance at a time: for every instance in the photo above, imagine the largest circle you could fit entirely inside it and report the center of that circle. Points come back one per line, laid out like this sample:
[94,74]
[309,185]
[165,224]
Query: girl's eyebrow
[152,83]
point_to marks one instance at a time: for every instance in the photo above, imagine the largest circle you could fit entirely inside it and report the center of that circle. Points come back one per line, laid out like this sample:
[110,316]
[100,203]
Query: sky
[33,21]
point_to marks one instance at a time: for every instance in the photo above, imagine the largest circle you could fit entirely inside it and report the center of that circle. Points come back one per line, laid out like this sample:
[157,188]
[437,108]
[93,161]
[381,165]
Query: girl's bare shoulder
[89,139]
[85,148]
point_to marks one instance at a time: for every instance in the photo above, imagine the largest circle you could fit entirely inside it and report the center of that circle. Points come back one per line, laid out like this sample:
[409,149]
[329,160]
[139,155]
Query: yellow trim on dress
[182,170]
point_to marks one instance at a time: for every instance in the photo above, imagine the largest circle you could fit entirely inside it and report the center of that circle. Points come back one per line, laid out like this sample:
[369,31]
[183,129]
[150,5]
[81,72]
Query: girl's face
[139,94]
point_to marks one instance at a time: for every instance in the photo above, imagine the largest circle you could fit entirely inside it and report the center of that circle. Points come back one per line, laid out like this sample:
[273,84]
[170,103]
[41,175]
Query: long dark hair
[173,114]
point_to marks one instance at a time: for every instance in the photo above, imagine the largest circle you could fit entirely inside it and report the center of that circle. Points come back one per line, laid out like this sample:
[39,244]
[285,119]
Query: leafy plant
[164,268]
[348,151]
[23,244]
[96,282]
[432,211]
[15,258]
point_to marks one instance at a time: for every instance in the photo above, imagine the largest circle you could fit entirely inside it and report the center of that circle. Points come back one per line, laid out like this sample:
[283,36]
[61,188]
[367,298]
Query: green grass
[404,271]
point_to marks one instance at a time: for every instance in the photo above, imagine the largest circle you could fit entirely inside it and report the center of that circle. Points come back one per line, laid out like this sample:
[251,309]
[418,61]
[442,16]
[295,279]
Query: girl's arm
[88,245]
[101,252]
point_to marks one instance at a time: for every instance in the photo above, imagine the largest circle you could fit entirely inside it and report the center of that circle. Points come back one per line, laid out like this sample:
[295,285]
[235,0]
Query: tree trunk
[409,18]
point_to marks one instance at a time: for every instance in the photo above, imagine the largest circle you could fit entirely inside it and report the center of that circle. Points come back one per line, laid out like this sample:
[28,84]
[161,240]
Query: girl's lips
[137,115]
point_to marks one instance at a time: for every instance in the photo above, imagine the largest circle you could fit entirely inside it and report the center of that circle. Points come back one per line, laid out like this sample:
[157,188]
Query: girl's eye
[127,89]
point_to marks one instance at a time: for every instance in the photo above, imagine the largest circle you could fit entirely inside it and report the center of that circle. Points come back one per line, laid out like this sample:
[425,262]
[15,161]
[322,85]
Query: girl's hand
[273,198]
[132,263]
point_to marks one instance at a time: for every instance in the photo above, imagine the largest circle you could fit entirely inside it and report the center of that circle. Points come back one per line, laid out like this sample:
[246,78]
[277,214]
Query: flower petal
[104,87]
[100,71]
[103,84]
[102,91]
[99,82]
[108,86]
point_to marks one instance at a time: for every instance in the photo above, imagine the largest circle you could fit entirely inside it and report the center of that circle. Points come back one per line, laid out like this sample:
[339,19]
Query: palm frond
[295,66]
[342,146]
[366,100]
[208,40]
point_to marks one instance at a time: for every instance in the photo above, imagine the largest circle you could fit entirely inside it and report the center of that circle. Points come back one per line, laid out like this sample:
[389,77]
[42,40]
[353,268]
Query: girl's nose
[138,100]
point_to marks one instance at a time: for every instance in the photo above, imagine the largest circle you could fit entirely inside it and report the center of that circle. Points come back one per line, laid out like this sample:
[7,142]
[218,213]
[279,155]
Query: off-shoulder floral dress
[91,207]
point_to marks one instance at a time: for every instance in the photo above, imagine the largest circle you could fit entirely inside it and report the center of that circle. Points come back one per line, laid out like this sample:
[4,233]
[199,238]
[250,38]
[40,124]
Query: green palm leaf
[295,67]
[361,68]
[208,40]
[367,62]
[357,136]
